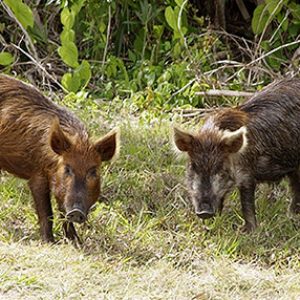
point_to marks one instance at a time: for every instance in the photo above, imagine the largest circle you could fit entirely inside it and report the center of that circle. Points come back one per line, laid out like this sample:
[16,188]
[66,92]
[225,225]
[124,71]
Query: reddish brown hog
[49,146]
[258,141]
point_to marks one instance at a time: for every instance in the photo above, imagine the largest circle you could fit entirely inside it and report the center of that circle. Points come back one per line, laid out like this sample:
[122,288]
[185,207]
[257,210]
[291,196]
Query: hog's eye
[68,170]
[92,172]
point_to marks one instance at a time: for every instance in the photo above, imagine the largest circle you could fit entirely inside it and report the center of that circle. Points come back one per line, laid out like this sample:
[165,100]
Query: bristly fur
[50,147]
[264,136]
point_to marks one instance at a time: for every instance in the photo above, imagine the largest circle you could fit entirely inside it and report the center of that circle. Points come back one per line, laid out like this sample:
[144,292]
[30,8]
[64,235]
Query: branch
[182,89]
[243,9]
[227,93]
[193,112]
[107,37]
[30,43]
[40,66]
[272,51]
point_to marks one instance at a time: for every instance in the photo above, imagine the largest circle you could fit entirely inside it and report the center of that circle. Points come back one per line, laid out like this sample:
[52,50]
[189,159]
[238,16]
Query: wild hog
[259,141]
[49,146]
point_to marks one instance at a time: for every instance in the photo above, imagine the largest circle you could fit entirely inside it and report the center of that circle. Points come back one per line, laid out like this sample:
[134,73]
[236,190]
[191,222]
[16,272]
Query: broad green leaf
[67,18]
[139,40]
[260,19]
[170,17]
[6,58]
[285,25]
[2,27]
[83,71]
[131,55]
[158,31]
[70,82]
[295,10]
[284,22]
[21,11]
[67,35]
[179,2]
[76,6]
[265,45]
[177,50]
[274,6]
[102,27]
[69,54]
[293,30]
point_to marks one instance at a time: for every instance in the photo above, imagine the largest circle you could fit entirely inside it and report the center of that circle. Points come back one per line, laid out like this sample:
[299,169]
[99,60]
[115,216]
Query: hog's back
[26,117]
[273,149]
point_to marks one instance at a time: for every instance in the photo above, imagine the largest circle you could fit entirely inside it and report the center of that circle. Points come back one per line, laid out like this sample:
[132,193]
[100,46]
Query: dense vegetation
[139,65]
[147,53]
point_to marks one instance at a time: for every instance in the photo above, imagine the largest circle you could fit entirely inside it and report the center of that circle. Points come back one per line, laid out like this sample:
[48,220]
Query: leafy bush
[150,54]
[278,25]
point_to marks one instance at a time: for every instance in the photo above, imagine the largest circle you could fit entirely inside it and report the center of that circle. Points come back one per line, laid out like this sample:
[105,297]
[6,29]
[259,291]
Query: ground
[142,240]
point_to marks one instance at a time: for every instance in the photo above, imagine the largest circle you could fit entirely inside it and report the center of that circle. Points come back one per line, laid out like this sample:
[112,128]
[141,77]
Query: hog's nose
[76,215]
[205,212]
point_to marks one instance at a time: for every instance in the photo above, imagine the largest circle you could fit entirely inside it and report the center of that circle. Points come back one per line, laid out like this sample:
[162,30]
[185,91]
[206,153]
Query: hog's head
[77,180]
[210,171]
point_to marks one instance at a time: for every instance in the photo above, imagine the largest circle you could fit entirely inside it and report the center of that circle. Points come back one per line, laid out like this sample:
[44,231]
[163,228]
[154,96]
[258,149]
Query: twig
[107,37]
[272,51]
[30,43]
[191,110]
[262,57]
[267,23]
[227,93]
[182,89]
[188,113]
[243,9]
[179,23]
[38,64]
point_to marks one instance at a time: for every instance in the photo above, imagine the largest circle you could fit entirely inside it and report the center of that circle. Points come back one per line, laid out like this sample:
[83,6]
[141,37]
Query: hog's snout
[205,211]
[76,215]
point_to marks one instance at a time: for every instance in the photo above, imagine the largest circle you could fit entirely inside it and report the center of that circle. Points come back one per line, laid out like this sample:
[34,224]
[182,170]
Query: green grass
[143,240]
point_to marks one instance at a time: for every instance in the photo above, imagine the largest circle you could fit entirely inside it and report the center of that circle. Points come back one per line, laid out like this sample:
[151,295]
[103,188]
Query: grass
[142,241]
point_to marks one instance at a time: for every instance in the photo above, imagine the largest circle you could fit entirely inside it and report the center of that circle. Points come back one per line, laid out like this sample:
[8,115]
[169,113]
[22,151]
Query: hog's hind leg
[295,188]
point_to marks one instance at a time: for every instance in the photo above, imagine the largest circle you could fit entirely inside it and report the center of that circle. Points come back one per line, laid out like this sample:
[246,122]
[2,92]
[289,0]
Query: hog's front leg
[70,231]
[247,194]
[40,191]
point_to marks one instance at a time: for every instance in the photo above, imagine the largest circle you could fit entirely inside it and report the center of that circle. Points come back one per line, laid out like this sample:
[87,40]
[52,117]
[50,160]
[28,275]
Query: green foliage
[68,51]
[284,18]
[260,19]
[6,58]
[143,52]
[79,78]
[173,19]
[22,12]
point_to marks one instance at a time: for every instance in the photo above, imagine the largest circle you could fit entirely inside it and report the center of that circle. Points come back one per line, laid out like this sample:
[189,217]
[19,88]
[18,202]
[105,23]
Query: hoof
[248,228]
[295,209]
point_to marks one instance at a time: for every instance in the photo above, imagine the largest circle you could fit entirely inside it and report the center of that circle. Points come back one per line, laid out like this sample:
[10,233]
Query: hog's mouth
[205,214]
[76,216]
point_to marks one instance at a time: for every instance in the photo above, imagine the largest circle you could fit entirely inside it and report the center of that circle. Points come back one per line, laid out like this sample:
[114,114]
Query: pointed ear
[59,142]
[182,140]
[108,146]
[235,141]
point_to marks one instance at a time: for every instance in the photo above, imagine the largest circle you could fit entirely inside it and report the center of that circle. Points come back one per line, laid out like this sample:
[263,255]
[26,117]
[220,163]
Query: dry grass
[35,271]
